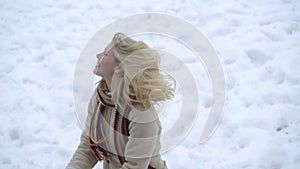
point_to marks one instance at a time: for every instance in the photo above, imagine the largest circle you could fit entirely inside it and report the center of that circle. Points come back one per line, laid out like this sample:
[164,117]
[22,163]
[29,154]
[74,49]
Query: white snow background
[258,45]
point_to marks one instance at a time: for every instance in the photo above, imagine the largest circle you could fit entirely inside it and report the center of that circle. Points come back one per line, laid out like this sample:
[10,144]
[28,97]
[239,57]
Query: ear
[119,71]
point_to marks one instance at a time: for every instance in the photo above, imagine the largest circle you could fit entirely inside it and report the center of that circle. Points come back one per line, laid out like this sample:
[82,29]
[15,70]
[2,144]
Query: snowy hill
[257,43]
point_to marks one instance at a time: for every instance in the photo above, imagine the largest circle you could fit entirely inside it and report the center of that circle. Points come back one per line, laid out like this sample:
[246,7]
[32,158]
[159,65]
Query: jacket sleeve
[144,136]
[84,158]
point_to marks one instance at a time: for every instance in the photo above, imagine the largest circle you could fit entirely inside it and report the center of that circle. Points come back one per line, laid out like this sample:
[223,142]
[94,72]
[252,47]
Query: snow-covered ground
[257,43]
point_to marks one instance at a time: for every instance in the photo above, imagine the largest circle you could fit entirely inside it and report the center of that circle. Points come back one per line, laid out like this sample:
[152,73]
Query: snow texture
[257,43]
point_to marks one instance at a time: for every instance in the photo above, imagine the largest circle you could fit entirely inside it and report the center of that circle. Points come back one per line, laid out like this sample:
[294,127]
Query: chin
[97,73]
[96,70]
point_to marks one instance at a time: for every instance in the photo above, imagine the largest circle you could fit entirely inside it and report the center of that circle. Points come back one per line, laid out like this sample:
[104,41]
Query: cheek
[108,68]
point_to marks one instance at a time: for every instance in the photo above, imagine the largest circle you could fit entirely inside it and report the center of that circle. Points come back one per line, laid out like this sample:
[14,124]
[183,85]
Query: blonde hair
[138,79]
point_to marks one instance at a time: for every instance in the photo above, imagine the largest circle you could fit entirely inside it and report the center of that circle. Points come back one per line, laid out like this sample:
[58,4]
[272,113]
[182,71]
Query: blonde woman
[122,127]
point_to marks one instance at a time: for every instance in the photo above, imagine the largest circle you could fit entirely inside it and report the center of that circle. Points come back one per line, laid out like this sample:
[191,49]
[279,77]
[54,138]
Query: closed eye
[104,52]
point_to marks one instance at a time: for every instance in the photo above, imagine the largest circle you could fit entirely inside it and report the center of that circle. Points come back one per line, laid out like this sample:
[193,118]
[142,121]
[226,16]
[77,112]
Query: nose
[99,56]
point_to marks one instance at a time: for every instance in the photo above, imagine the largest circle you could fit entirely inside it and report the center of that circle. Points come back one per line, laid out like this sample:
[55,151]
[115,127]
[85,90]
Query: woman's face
[106,63]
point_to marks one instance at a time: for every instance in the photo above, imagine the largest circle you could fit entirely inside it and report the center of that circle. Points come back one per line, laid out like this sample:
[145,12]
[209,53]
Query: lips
[98,63]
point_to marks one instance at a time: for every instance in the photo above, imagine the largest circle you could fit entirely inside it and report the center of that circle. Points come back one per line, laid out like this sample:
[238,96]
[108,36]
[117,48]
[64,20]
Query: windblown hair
[138,79]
